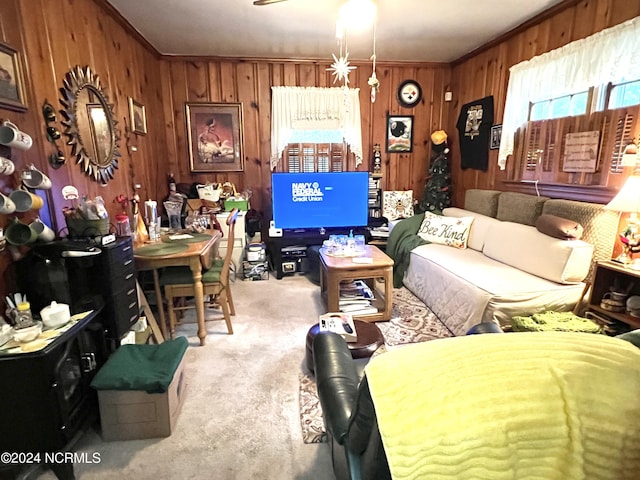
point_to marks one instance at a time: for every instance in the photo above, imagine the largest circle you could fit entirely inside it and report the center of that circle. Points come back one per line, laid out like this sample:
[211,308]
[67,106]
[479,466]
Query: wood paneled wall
[486,71]
[54,36]
[250,82]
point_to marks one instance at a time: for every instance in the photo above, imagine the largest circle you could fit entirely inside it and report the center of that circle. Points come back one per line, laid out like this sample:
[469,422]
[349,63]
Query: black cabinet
[116,273]
[86,276]
[46,399]
[288,253]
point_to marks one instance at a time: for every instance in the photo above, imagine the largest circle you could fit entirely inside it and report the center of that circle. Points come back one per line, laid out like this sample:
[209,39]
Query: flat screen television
[320,200]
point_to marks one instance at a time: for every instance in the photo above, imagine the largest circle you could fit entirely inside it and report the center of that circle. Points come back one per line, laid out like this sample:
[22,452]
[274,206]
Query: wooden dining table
[171,251]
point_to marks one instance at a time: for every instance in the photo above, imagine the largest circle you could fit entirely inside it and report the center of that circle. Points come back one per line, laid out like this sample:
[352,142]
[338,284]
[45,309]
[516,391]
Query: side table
[369,340]
[378,275]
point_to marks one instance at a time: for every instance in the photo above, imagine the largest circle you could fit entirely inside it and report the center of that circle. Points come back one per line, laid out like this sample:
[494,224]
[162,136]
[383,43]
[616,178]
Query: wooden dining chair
[178,281]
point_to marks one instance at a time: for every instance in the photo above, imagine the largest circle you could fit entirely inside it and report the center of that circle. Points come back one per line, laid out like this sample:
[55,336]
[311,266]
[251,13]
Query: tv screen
[320,200]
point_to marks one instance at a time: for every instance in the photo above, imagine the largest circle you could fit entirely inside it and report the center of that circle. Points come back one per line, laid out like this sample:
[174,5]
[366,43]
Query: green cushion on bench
[183,275]
[554,321]
[141,367]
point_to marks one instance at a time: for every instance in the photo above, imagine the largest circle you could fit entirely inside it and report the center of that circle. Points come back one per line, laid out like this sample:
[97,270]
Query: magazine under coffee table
[378,275]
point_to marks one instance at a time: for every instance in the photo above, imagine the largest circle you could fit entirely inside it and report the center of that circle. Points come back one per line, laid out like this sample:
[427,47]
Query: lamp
[628,201]
[630,155]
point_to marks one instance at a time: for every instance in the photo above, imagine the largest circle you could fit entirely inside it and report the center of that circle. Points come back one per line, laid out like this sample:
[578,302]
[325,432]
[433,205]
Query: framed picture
[399,133]
[11,84]
[214,134]
[137,117]
[496,133]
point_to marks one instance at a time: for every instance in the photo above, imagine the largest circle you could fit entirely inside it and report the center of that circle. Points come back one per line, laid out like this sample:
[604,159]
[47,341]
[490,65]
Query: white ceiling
[407,30]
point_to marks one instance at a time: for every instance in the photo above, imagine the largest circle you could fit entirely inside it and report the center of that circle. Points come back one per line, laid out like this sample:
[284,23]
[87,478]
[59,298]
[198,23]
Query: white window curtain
[611,55]
[314,108]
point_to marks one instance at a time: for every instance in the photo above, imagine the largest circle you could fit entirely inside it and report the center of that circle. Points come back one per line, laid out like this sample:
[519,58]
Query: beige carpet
[240,419]
[411,323]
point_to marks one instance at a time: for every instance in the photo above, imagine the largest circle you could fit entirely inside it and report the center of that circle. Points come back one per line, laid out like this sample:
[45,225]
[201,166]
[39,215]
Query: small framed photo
[137,117]
[214,135]
[496,133]
[11,83]
[399,133]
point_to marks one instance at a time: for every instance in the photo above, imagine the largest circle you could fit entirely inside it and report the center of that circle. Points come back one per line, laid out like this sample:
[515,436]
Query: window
[624,95]
[565,106]
[314,151]
[310,127]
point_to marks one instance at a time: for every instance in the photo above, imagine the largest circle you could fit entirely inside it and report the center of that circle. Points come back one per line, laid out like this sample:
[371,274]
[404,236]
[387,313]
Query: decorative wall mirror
[90,124]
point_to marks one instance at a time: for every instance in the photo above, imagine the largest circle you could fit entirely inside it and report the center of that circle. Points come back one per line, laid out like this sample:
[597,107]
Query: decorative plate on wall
[409,93]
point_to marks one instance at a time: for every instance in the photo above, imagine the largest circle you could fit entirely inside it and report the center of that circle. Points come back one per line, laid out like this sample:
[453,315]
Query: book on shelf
[340,323]
[355,289]
[353,307]
[363,311]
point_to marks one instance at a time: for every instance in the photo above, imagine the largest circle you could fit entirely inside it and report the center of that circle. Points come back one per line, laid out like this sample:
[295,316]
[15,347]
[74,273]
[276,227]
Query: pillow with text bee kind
[450,231]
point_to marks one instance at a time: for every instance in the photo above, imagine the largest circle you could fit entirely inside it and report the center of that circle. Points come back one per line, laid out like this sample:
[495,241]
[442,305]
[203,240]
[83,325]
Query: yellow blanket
[535,405]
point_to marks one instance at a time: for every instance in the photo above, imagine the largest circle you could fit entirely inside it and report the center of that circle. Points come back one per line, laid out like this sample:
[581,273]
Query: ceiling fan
[267,2]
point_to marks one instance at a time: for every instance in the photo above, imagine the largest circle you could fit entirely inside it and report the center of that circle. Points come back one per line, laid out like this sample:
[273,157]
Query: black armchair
[350,419]
[349,414]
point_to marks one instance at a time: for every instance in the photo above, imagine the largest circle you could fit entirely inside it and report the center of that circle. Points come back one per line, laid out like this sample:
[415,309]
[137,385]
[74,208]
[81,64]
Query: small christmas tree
[437,190]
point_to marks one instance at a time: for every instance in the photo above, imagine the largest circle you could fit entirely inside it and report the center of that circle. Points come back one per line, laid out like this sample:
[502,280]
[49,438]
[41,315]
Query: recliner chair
[349,413]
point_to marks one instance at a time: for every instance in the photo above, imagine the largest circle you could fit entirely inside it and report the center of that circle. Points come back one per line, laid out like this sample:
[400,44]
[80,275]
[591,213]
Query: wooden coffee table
[378,275]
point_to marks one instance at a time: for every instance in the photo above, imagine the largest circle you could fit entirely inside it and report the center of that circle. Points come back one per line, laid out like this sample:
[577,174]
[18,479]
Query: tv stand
[284,260]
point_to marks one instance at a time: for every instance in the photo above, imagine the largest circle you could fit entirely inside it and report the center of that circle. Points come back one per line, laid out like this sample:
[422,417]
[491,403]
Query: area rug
[411,322]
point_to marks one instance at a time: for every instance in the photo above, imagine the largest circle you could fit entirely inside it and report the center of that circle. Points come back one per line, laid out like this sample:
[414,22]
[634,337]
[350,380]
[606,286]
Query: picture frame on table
[399,133]
[137,117]
[11,81]
[496,133]
[215,137]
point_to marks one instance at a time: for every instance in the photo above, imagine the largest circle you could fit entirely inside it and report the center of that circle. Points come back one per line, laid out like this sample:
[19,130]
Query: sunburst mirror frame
[75,82]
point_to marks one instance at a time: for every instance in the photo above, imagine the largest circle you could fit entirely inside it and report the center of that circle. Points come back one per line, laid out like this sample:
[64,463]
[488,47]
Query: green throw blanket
[402,240]
[141,367]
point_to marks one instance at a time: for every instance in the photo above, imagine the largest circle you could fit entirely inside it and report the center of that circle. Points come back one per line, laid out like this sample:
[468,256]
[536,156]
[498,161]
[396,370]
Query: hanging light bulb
[358,14]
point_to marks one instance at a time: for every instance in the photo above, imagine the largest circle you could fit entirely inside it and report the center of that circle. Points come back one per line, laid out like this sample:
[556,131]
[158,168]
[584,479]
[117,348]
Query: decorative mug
[45,234]
[18,233]
[26,201]
[11,136]
[6,166]
[7,206]
[35,179]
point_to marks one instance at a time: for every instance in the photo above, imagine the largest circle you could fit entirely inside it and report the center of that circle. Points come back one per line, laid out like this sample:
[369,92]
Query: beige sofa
[509,268]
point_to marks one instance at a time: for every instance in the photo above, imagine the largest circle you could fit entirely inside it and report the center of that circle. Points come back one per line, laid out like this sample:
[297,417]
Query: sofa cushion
[525,248]
[519,207]
[559,227]
[481,223]
[451,231]
[484,202]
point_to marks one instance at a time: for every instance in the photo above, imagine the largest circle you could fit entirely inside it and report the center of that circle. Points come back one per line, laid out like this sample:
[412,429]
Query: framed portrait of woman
[214,135]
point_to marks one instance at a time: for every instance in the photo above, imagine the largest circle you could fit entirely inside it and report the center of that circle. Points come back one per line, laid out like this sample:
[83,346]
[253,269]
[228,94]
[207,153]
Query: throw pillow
[397,204]
[558,227]
[450,231]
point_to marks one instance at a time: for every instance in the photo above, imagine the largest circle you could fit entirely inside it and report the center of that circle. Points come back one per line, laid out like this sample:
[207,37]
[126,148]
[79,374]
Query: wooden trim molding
[582,193]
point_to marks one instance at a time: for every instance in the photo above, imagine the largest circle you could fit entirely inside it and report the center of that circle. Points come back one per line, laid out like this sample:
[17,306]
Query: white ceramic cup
[45,234]
[26,201]
[7,206]
[35,179]
[11,136]
[6,166]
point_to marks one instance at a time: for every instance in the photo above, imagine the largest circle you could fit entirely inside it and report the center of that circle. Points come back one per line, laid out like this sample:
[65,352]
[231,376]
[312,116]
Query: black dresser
[85,275]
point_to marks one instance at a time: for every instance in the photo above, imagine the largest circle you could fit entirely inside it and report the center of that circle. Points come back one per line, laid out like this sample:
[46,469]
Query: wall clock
[409,93]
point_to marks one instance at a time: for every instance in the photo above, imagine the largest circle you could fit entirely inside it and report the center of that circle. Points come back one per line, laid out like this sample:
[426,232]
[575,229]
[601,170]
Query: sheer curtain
[314,108]
[611,55]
